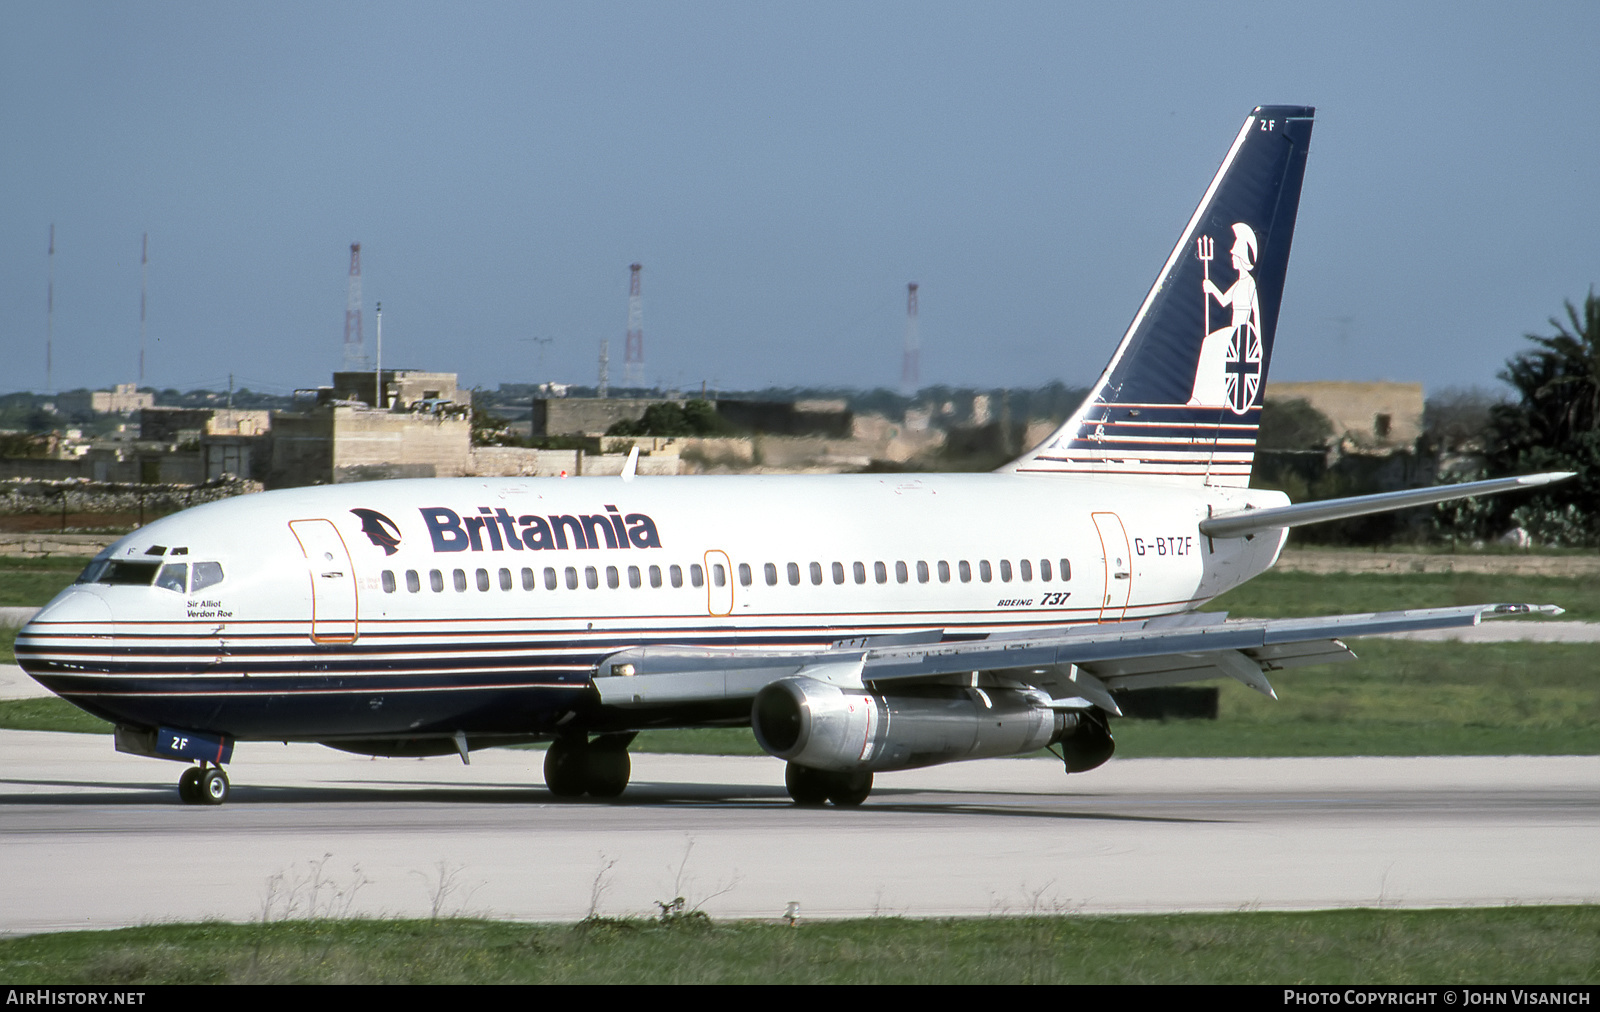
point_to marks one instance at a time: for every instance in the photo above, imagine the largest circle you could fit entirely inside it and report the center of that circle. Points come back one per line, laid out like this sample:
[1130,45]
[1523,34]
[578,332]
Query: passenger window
[985,572]
[816,574]
[635,580]
[922,572]
[794,574]
[1066,570]
[966,571]
[744,574]
[528,582]
[505,579]
[413,581]
[572,578]
[770,571]
[1027,570]
[591,577]
[655,576]
[718,576]
[549,578]
[461,580]
[388,582]
[483,579]
[436,581]
[1044,570]
[697,577]
[173,577]
[880,572]
[613,579]
[859,570]
[1005,570]
[676,572]
[901,574]
[207,574]
[944,572]
[838,572]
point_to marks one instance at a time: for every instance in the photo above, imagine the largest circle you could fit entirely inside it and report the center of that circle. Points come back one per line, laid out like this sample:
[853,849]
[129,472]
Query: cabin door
[719,583]
[333,583]
[1118,567]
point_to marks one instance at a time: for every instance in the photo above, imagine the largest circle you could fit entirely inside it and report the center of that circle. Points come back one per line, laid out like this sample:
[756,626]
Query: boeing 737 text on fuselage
[857,623]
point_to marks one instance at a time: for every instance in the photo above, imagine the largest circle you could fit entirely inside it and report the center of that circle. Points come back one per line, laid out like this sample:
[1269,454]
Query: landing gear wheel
[189,785]
[806,786]
[849,789]
[608,771]
[565,770]
[213,787]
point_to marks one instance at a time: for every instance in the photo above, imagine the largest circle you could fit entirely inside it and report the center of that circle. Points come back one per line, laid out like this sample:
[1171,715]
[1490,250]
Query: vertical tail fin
[1181,399]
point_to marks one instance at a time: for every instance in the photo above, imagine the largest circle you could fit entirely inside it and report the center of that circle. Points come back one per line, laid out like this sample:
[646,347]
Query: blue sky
[781,170]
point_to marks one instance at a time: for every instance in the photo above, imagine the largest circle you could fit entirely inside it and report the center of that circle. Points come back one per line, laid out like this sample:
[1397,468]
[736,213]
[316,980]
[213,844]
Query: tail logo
[1229,371]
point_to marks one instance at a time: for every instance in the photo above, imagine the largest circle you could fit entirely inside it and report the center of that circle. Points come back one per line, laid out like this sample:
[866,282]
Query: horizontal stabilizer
[1249,522]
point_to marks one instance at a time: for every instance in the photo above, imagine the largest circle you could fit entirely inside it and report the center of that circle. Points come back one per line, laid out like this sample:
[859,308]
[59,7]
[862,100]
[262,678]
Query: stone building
[1366,417]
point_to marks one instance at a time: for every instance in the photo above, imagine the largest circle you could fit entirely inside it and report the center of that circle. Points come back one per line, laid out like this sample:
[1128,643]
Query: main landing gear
[810,786]
[203,785]
[577,766]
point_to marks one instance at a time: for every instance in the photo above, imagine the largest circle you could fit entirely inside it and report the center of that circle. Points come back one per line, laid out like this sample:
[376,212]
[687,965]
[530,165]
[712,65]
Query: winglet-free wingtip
[1547,478]
[631,468]
[1508,610]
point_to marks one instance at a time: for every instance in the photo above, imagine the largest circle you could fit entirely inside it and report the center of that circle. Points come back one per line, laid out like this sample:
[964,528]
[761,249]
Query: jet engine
[816,724]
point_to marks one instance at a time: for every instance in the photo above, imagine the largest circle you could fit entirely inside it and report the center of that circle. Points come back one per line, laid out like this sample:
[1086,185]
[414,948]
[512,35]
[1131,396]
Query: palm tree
[1556,424]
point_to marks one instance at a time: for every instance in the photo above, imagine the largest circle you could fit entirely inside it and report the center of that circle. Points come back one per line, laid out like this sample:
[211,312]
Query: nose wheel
[203,785]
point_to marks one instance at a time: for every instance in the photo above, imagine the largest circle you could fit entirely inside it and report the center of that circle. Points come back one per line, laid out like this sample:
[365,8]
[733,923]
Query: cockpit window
[130,573]
[173,577]
[92,571]
[206,574]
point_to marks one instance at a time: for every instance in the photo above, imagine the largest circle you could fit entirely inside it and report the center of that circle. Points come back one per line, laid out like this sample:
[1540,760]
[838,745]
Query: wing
[1077,666]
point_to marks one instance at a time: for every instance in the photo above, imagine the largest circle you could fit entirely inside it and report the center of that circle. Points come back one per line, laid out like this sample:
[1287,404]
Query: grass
[1277,594]
[1493,946]
[35,581]
[1398,698]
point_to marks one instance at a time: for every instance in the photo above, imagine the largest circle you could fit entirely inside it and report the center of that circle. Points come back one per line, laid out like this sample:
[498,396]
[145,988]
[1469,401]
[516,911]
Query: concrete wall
[577,416]
[516,461]
[382,444]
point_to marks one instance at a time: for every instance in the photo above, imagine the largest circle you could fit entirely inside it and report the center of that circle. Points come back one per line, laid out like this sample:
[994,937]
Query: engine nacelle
[816,724]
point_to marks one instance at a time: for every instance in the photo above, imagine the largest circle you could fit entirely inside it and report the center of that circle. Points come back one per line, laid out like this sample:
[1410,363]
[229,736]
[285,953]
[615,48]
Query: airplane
[858,624]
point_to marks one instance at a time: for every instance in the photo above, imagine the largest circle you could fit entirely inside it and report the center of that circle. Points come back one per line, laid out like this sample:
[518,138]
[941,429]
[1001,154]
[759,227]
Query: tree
[1554,426]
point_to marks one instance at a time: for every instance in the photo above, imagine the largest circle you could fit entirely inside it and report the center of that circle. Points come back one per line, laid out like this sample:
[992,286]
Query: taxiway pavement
[91,838]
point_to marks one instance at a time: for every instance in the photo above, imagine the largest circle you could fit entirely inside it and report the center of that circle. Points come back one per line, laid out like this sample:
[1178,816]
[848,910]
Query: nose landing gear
[203,785]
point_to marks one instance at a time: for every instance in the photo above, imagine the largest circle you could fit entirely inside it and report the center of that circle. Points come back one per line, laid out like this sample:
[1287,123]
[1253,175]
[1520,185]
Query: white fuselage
[476,606]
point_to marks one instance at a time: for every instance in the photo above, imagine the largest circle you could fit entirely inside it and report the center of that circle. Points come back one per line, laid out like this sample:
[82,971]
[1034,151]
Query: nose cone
[60,626]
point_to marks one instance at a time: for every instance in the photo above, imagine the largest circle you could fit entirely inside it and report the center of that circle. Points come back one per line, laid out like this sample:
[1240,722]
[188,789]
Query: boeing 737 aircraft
[858,623]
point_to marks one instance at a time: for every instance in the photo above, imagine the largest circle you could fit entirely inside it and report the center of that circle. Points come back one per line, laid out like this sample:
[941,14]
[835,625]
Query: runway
[90,838]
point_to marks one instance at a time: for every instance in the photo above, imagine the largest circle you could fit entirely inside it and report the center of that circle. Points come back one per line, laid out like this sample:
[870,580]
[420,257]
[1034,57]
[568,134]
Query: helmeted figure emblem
[1228,373]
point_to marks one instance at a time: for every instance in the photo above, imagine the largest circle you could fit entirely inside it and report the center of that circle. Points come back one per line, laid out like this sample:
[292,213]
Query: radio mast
[633,353]
[355,356]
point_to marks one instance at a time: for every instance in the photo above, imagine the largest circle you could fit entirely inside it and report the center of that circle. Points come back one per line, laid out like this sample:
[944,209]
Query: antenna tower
[910,366]
[355,357]
[144,279]
[605,368]
[50,318]
[633,354]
